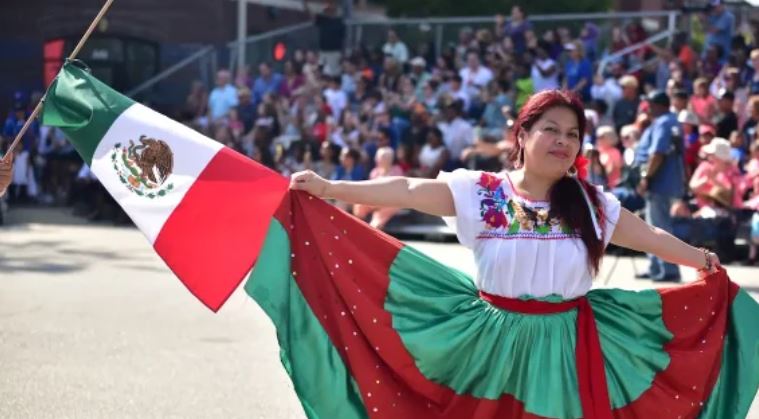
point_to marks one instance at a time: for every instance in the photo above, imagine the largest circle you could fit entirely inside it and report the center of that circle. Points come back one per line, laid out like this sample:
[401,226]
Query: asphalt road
[92,325]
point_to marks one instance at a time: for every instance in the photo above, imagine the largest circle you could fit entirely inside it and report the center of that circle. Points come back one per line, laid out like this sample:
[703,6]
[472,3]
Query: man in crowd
[659,156]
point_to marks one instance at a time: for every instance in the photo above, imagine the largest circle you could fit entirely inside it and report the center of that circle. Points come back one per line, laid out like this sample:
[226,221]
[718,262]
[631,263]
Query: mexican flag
[204,207]
[370,327]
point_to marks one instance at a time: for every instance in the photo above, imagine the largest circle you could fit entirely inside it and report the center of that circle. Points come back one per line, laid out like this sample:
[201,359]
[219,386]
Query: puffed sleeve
[611,210]
[467,223]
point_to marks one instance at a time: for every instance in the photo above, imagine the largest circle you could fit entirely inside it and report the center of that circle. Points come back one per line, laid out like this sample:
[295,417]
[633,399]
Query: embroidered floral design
[494,206]
[507,218]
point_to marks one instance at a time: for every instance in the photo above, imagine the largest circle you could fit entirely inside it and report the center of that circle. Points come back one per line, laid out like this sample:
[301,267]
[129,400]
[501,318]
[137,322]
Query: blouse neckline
[520,196]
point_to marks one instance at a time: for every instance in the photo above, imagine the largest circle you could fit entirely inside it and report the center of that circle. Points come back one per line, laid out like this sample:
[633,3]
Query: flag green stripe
[739,375]
[83,107]
[323,384]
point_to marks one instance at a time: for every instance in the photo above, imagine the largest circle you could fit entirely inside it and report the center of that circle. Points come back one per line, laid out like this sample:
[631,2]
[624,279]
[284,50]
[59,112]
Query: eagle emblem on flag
[144,167]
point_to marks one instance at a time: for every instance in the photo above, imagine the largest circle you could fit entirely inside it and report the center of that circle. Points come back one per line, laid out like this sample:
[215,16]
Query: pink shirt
[730,178]
[704,107]
[395,170]
[612,161]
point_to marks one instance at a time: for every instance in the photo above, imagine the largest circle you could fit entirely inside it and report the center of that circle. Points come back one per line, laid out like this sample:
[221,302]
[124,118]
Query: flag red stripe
[212,238]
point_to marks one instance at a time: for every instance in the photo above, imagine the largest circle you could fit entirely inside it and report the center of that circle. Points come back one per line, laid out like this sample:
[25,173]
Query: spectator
[516,29]
[267,82]
[433,156]
[395,48]
[679,98]
[196,104]
[578,71]
[474,76]
[718,170]
[545,73]
[458,134]
[749,127]
[335,97]
[349,79]
[457,91]
[293,79]
[608,154]
[608,88]
[726,118]
[689,123]
[384,167]
[702,103]
[246,109]
[720,25]
[630,135]
[662,176]
[419,76]
[752,78]
[626,108]
[326,166]
[331,29]
[223,97]
[523,84]
[350,168]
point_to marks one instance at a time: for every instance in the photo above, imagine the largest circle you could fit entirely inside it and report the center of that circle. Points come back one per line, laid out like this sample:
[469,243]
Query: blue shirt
[576,71]
[724,23]
[262,86]
[13,126]
[221,100]
[669,179]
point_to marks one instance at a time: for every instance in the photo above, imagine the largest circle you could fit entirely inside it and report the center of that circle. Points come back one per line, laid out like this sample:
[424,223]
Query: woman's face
[552,144]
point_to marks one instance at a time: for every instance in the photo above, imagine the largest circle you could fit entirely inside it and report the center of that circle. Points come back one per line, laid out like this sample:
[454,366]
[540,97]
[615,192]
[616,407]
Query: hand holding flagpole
[8,156]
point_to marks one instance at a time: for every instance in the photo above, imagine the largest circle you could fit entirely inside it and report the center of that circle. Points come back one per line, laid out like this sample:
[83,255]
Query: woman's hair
[566,196]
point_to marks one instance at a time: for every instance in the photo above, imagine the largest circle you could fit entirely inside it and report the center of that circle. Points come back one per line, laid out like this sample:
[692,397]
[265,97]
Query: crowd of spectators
[398,109]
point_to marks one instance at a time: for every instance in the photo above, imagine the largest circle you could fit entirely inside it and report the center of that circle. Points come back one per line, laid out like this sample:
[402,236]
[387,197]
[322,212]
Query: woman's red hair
[565,195]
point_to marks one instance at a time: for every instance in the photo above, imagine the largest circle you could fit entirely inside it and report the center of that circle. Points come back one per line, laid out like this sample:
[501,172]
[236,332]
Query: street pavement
[93,325]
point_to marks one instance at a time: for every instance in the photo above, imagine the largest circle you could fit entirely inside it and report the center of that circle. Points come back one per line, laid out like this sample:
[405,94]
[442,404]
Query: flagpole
[8,157]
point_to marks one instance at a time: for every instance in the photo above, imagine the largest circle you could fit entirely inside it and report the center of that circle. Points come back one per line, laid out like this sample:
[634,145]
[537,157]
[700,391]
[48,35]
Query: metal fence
[420,35]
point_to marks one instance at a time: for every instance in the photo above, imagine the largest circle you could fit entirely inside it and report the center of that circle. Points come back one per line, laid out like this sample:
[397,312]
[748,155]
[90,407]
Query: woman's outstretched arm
[425,195]
[633,233]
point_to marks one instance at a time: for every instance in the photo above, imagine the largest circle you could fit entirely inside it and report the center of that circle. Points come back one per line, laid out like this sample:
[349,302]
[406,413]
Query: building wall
[178,27]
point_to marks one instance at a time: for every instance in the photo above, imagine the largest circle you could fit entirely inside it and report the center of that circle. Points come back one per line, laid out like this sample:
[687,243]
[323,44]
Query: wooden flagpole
[8,157]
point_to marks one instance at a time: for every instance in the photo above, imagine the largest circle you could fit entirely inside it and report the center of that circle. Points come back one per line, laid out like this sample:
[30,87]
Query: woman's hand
[310,182]
[712,261]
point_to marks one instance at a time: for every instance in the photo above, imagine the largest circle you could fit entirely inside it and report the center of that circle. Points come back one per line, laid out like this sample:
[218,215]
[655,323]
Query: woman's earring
[572,172]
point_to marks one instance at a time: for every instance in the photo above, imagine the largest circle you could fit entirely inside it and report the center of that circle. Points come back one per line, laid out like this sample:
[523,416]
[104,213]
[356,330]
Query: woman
[578,71]
[433,156]
[516,348]
[717,170]
[609,154]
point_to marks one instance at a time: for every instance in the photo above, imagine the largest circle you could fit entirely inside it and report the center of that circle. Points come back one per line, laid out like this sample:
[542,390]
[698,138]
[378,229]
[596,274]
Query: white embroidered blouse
[532,254]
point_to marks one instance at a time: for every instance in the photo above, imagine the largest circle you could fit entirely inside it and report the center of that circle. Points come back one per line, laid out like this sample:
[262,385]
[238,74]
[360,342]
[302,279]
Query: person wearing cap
[689,123]
[660,160]
[718,169]
[720,26]
[727,119]
[626,108]
[419,75]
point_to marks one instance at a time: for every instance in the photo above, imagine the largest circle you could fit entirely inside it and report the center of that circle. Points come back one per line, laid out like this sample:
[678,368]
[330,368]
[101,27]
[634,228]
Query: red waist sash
[591,375]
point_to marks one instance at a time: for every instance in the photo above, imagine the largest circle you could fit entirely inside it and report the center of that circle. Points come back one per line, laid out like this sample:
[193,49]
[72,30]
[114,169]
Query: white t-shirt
[535,258]
[473,81]
[337,101]
[457,135]
[541,83]
[429,156]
